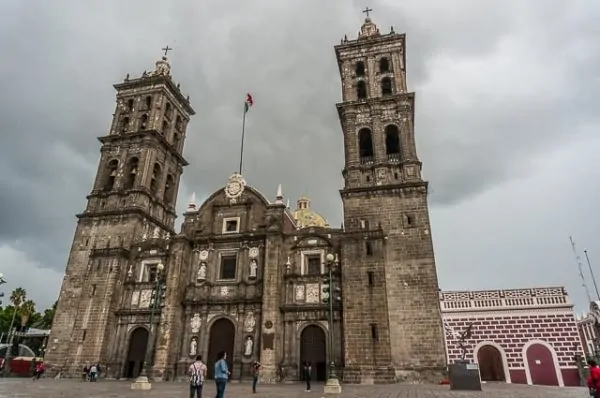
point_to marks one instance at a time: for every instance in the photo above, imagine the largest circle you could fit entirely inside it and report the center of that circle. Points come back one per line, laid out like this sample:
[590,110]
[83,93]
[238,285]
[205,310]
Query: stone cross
[366,11]
[167,48]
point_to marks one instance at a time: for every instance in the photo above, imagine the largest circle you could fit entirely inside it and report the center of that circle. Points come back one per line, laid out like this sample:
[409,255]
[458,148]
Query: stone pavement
[50,388]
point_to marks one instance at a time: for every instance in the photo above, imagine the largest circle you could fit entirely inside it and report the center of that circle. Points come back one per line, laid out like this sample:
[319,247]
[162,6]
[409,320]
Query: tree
[27,311]
[18,296]
[48,316]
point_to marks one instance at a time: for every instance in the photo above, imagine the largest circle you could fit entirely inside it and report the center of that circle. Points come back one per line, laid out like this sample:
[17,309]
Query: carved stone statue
[201,275]
[195,323]
[249,322]
[193,347]
[156,233]
[253,268]
[248,345]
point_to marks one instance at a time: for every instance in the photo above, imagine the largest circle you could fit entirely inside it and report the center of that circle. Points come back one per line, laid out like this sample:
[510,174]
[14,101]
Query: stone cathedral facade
[244,274]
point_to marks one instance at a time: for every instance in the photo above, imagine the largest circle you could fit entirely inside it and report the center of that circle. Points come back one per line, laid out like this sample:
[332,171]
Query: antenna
[580,267]
[591,273]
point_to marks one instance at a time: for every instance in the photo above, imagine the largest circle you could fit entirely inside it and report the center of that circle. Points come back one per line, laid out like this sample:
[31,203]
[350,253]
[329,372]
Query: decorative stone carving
[253,268]
[253,252]
[156,233]
[248,346]
[249,322]
[235,187]
[299,293]
[201,274]
[224,291]
[312,292]
[193,347]
[145,297]
[135,299]
[380,176]
[195,323]
[203,255]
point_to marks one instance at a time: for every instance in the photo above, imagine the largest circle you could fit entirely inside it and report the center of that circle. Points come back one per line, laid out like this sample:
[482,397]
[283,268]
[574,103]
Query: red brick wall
[513,331]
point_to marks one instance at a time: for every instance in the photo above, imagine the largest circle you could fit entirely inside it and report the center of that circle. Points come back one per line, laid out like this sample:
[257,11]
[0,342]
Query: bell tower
[392,320]
[133,197]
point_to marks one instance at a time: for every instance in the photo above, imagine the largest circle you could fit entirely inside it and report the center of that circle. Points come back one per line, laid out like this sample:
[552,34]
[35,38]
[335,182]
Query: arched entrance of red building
[491,366]
[313,349]
[540,362]
[138,341]
[222,338]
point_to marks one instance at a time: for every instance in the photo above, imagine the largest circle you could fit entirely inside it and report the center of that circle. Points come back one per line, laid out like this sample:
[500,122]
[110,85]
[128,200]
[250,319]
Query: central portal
[313,349]
[222,338]
[136,353]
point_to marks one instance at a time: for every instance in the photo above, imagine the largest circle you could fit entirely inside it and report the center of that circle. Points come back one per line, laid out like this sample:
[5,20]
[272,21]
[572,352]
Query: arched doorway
[541,365]
[313,349]
[138,341]
[222,338]
[490,363]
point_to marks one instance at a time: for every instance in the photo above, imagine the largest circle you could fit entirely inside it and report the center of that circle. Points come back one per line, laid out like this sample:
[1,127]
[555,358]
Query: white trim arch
[559,377]
[502,354]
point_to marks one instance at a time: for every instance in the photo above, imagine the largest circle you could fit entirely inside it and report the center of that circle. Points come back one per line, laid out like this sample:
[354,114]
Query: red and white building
[525,336]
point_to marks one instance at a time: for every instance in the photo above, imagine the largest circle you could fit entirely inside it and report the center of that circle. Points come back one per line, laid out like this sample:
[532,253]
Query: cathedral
[245,273]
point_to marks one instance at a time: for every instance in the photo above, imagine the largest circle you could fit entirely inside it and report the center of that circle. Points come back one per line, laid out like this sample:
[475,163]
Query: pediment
[314,241]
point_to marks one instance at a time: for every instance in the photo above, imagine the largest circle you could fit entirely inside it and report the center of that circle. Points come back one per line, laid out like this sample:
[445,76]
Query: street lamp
[332,386]
[156,302]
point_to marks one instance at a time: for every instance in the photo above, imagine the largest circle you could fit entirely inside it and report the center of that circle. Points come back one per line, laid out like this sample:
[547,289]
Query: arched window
[132,172]
[176,140]
[360,69]
[111,174]
[168,110]
[169,189]
[361,90]
[392,142]
[155,178]
[386,86]
[125,125]
[384,65]
[178,123]
[148,102]
[165,128]
[365,145]
[129,105]
[144,121]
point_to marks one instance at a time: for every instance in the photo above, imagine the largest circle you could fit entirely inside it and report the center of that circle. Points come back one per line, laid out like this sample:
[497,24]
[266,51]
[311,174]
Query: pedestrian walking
[197,372]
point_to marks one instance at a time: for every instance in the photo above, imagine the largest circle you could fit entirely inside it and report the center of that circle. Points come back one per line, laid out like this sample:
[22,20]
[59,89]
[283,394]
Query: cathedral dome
[305,217]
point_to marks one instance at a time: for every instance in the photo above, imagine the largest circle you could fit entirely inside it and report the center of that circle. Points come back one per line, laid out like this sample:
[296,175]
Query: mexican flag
[248,103]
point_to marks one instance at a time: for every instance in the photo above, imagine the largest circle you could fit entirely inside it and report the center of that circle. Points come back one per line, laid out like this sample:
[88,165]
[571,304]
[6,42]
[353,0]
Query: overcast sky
[505,124]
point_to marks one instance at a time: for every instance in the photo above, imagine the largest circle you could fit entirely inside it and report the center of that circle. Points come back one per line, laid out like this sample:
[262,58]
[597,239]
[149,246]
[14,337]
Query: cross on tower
[166,49]
[367,11]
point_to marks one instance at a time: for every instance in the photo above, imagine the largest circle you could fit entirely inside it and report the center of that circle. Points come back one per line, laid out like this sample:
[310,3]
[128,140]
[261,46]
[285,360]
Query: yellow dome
[305,217]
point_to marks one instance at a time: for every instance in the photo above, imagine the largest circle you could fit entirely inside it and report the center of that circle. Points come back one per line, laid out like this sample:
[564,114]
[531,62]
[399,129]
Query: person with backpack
[197,372]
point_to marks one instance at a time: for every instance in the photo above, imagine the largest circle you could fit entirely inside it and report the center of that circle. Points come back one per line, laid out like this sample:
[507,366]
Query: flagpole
[243,131]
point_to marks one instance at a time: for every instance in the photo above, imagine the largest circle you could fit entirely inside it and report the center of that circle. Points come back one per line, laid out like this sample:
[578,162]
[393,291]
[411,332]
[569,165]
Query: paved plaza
[50,388]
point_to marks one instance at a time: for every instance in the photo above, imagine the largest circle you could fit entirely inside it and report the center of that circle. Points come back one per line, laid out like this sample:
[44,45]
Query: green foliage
[26,313]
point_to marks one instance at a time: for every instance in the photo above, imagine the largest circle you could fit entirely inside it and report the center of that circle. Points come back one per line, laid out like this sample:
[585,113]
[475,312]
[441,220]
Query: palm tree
[27,310]
[18,296]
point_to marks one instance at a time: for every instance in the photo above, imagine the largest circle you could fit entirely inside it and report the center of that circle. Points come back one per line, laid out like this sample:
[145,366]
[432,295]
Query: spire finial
[192,204]
[287,205]
[279,196]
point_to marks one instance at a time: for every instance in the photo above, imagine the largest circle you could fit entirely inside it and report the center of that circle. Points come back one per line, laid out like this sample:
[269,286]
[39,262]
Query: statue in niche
[249,322]
[193,347]
[156,233]
[201,275]
[248,345]
[253,268]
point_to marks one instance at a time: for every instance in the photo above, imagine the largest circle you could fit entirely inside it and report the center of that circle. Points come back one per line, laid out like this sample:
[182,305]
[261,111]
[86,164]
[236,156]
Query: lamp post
[156,302]
[332,386]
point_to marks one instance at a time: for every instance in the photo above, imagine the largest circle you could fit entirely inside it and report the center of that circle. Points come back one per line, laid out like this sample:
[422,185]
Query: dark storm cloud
[498,84]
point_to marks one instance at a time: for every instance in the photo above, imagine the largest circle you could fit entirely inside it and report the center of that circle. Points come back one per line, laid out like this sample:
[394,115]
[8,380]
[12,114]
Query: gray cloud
[504,89]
